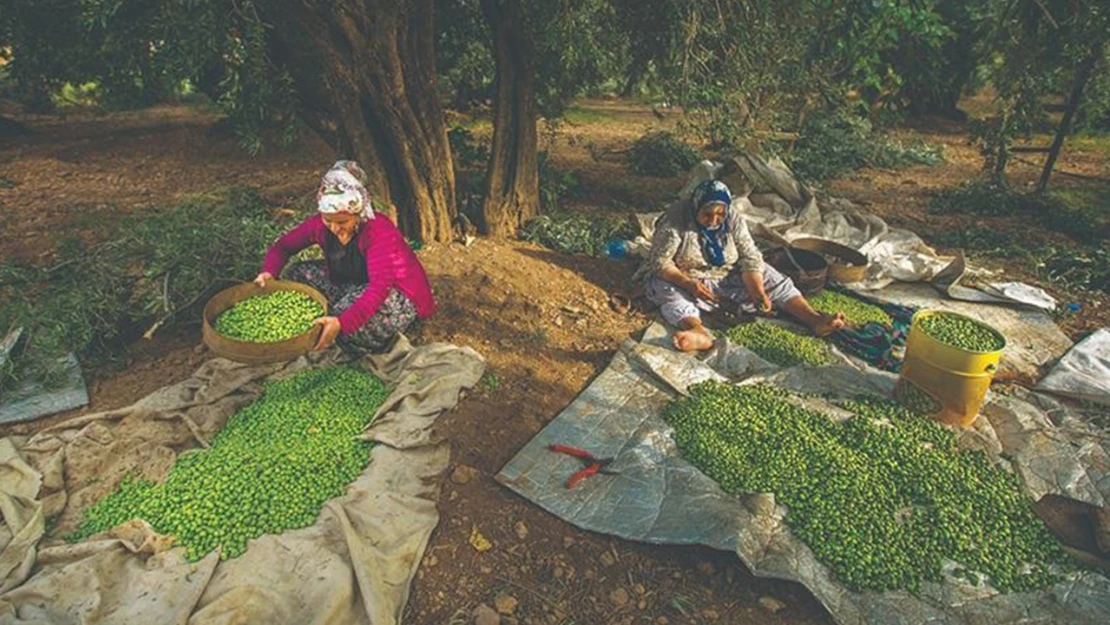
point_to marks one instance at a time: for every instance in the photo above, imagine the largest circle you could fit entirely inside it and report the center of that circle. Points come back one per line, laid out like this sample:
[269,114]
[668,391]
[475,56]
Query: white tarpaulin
[1084,372]
[354,565]
[783,210]
[657,496]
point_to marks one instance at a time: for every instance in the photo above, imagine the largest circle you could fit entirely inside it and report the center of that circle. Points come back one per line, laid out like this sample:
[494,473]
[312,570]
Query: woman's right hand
[699,290]
[262,278]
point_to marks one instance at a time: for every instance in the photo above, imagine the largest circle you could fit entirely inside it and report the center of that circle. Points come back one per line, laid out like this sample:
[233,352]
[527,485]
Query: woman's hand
[699,290]
[753,282]
[765,304]
[262,278]
[330,330]
[696,288]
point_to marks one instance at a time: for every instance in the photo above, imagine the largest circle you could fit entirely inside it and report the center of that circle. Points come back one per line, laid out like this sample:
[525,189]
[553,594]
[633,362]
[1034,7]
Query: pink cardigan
[390,263]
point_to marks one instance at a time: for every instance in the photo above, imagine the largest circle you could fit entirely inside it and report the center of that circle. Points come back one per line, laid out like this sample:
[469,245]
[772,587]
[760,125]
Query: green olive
[962,333]
[270,469]
[269,318]
[779,345]
[884,498]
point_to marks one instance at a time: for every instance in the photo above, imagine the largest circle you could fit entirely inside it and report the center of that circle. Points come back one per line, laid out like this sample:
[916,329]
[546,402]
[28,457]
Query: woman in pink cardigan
[376,288]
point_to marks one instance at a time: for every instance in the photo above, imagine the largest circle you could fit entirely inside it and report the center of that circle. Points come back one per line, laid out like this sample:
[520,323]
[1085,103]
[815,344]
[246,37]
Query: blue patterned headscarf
[712,239]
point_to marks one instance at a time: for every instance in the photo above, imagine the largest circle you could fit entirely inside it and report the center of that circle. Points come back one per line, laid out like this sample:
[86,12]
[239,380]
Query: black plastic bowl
[814,272]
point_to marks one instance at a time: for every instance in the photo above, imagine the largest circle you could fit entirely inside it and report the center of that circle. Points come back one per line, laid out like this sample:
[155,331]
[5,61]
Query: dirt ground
[540,318]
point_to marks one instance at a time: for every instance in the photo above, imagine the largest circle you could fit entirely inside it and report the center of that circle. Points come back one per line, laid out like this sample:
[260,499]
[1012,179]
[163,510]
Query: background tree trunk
[634,76]
[1082,77]
[366,81]
[512,180]
[12,128]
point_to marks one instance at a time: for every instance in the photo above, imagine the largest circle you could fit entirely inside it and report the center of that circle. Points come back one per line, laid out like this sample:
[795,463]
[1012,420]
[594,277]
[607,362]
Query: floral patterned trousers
[396,315]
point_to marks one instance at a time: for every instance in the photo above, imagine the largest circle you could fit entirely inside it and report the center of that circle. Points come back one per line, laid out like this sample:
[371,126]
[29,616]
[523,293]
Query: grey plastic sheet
[1084,372]
[782,209]
[657,497]
[31,400]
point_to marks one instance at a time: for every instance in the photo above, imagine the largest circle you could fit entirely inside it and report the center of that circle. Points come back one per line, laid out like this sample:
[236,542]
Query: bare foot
[692,340]
[829,324]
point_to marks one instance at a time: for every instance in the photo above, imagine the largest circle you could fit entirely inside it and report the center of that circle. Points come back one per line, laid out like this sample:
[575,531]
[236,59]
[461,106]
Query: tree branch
[1048,15]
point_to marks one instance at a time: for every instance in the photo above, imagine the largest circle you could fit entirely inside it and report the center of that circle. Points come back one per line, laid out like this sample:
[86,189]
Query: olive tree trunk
[512,180]
[364,72]
[1079,83]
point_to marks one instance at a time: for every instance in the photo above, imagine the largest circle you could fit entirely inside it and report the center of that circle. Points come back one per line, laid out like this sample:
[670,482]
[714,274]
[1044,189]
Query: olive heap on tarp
[270,469]
[962,333]
[779,345]
[884,499]
[854,309]
[269,318]
[915,398]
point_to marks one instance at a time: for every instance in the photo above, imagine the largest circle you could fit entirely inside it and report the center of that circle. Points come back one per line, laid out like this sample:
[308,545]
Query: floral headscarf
[712,239]
[342,191]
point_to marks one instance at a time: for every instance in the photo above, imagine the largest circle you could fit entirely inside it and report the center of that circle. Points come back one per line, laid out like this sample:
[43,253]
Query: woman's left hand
[330,330]
[753,282]
[764,304]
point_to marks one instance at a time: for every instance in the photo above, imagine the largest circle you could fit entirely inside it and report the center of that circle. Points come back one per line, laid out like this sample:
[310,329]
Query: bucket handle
[991,368]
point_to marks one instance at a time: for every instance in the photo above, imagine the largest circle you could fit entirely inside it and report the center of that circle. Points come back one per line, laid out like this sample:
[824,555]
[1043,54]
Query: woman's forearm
[753,282]
[286,246]
[675,276]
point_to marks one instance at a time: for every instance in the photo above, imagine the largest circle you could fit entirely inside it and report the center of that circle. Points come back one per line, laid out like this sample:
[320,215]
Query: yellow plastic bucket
[956,380]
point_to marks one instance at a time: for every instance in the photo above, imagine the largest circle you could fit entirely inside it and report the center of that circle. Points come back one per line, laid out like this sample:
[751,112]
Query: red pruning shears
[593,465]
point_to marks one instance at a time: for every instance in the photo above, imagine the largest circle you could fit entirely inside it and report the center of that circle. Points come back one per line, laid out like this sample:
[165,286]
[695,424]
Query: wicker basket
[258,353]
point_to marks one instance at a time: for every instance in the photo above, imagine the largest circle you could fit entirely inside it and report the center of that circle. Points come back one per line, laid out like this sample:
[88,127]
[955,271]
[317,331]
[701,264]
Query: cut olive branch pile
[269,318]
[855,310]
[270,469]
[883,499]
[779,345]
[962,333]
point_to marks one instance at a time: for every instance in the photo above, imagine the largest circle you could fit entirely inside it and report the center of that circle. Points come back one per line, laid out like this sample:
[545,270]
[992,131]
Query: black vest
[346,264]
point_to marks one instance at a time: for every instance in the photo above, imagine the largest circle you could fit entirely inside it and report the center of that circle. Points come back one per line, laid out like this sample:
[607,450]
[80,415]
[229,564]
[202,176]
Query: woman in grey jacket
[701,254]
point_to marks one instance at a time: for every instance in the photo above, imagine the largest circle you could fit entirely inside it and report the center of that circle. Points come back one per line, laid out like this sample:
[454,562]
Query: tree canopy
[373,78]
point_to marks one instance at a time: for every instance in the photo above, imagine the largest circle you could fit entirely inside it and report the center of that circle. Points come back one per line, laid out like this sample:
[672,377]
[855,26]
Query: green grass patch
[834,143]
[479,125]
[157,266]
[575,233]
[884,498]
[270,469]
[583,115]
[1094,142]
[1081,212]
[1073,267]
[1085,268]
[489,383]
[661,154]
[983,198]
[85,95]
[979,241]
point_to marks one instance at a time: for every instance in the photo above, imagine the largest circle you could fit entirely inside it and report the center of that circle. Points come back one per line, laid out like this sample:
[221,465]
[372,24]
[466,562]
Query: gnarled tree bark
[512,179]
[364,72]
